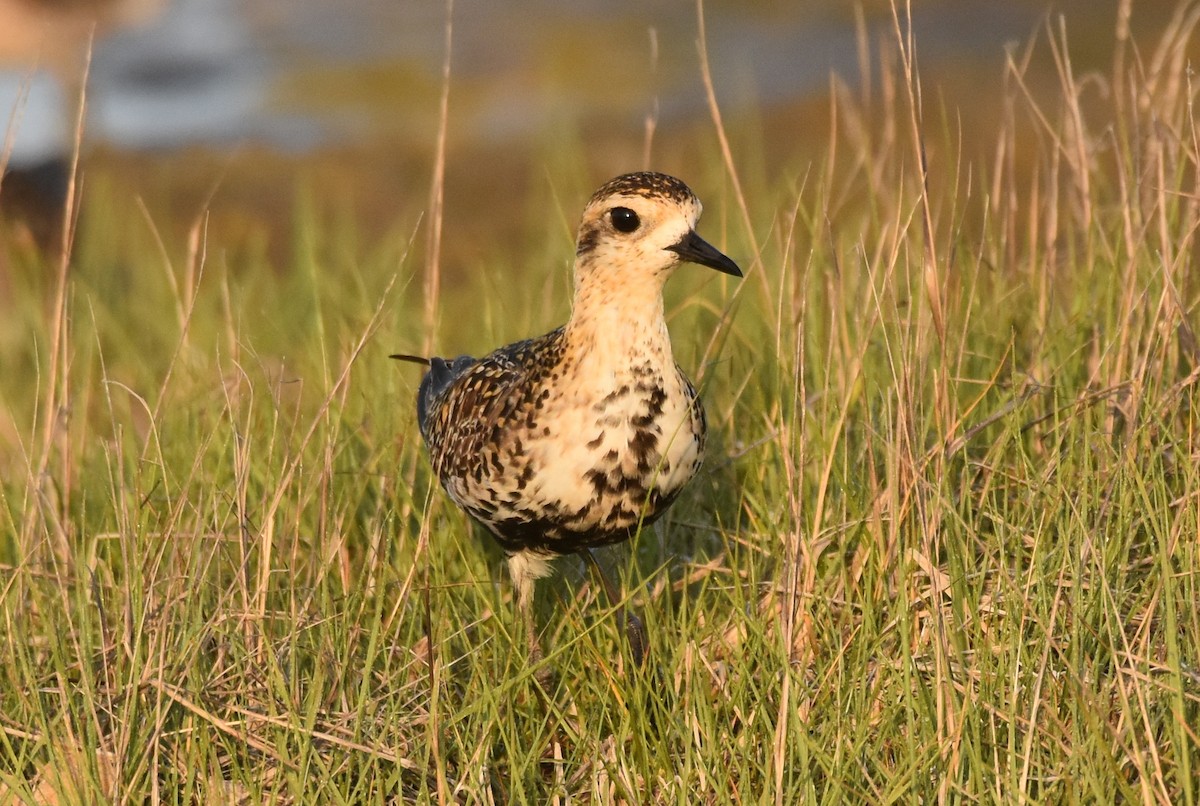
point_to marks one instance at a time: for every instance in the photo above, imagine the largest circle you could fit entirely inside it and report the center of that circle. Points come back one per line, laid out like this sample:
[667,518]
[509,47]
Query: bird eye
[624,219]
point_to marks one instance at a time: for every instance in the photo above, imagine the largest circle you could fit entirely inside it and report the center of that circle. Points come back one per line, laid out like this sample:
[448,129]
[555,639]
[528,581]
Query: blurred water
[210,71]
[296,74]
[197,73]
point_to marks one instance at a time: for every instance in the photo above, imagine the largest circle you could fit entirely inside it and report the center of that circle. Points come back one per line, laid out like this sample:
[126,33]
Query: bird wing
[461,402]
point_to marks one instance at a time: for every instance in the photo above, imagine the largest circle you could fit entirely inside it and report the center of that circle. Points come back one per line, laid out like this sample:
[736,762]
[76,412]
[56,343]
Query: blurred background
[232,106]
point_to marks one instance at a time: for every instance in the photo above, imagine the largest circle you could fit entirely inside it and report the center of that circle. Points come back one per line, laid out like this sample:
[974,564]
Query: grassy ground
[945,546]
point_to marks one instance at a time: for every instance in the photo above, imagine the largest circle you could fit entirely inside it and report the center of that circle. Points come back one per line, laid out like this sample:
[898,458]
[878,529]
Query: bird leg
[525,568]
[525,606]
[630,623]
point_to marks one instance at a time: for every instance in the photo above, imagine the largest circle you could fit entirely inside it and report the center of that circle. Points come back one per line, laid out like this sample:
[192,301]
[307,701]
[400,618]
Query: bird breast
[609,449]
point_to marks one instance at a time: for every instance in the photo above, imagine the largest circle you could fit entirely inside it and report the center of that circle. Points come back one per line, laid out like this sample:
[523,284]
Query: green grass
[945,546]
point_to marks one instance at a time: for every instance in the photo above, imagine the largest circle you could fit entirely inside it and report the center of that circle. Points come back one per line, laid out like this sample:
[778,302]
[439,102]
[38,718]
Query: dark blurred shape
[35,197]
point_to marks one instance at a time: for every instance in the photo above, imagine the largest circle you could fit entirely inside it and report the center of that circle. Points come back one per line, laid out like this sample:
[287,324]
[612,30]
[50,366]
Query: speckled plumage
[578,438]
[516,448]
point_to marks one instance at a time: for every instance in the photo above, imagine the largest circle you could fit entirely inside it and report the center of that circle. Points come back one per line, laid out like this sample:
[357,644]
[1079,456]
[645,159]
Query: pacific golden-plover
[580,437]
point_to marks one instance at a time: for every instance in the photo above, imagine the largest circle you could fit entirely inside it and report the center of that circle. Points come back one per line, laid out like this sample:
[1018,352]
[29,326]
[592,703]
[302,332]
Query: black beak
[695,249]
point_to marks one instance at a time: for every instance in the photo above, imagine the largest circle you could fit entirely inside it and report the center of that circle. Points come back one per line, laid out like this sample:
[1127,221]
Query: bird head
[638,228]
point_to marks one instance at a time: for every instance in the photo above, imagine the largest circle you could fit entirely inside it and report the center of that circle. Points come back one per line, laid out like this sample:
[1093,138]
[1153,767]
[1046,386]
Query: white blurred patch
[33,111]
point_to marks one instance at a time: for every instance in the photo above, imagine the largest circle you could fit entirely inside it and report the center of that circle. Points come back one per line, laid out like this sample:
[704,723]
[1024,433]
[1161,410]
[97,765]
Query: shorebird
[581,437]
